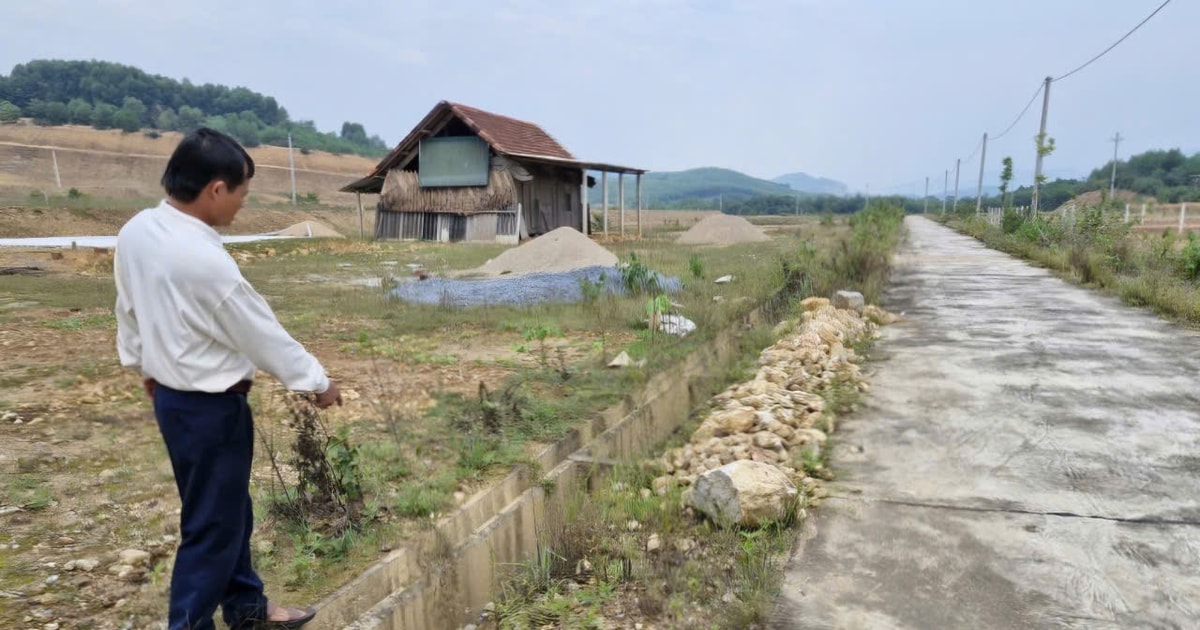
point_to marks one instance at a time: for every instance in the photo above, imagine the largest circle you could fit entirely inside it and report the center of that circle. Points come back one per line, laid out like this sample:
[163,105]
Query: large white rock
[852,300]
[745,493]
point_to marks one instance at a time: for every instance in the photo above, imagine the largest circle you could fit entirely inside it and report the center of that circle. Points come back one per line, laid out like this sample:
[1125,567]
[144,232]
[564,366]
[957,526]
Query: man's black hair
[202,156]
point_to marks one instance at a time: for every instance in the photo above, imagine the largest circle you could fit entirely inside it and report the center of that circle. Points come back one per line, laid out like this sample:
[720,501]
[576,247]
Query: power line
[973,151]
[1116,43]
[1016,120]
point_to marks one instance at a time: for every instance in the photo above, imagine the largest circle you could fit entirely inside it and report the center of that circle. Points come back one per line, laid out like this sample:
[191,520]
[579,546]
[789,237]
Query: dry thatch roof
[402,192]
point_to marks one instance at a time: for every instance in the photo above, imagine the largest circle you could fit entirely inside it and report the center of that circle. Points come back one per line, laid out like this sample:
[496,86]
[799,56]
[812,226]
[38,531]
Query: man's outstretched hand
[329,397]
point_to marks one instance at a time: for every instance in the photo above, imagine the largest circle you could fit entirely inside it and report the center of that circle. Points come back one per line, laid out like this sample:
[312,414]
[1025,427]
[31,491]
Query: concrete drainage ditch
[445,577]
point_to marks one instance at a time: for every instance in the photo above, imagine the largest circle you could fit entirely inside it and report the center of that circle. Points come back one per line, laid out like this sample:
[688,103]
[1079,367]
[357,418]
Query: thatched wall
[402,192]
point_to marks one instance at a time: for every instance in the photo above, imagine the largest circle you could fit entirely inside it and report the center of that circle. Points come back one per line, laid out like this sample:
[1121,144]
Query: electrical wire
[1016,120]
[1041,86]
[1116,43]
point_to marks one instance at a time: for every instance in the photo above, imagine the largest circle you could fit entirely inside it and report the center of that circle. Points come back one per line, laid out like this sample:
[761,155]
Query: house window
[453,161]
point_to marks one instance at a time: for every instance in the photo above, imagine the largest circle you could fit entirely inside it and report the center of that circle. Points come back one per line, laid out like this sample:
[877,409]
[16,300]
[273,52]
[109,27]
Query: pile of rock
[782,410]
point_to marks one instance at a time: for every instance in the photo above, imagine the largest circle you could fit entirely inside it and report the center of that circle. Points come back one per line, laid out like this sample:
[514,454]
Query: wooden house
[464,174]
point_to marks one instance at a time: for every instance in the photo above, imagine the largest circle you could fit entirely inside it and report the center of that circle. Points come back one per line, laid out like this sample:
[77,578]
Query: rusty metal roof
[509,135]
[506,135]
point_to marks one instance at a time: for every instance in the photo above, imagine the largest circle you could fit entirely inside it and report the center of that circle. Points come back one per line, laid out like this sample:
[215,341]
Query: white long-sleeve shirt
[188,319]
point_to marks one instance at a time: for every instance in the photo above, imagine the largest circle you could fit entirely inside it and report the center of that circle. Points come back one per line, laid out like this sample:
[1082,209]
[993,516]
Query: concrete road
[1028,457]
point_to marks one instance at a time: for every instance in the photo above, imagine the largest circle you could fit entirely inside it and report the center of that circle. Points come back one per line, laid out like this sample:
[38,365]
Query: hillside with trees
[803,182]
[1170,176]
[108,95]
[706,187]
[816,204]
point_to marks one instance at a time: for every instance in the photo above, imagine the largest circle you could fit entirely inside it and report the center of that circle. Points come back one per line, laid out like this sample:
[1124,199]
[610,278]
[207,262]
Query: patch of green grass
[672,586]
[30,491]
[61,291]
[22,375]
[420,498]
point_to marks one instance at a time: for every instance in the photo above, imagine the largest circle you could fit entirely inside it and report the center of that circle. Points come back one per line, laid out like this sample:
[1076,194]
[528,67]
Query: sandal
[290,624]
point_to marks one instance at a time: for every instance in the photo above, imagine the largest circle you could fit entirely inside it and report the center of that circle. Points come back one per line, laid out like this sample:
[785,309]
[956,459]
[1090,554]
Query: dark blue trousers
[210,439]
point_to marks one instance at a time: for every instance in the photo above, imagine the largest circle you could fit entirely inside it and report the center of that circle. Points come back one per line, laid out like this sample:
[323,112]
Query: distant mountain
[698,187]
[803,182]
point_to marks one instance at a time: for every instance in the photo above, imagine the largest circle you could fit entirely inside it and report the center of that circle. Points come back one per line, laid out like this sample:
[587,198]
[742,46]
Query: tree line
[108,95]
[817,204]
[1167,175]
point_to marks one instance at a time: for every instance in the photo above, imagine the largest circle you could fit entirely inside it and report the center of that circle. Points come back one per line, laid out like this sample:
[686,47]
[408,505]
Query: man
[197,331]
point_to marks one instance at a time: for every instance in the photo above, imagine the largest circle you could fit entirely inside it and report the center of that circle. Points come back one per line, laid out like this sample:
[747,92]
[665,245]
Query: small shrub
[1189,259]
[540,334]
[637,277]
[328,496]
[592,290]
[152,134]
[696,266]
[75,193]
[1011,222]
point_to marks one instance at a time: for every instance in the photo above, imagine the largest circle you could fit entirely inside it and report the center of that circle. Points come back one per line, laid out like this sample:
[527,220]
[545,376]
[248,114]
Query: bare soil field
[87,217]
[114,164]
[84,475]
[27,221]
[1164,216]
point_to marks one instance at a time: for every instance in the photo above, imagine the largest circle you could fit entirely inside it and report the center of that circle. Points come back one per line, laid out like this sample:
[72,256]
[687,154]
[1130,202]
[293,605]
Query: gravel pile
[527,289]
[723,229]
[564,249]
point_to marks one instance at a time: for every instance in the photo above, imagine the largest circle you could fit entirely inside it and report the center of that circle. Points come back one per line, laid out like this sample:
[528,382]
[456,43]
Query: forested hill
[114,96]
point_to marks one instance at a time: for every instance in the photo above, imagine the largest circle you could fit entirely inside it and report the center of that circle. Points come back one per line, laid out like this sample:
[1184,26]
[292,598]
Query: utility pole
[926,194]
[797,206]
[957,165]
[945,190]
[982,160]
[1112,186]
[1037,170]
[292,167]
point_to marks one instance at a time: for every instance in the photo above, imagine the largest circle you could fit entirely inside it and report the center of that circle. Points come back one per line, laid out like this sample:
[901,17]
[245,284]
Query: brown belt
[240,387]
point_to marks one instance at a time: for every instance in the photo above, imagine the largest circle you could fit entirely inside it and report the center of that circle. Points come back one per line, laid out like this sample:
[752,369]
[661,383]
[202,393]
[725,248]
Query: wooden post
[583,201]
[361,229]
[1182,217]
[621,194]
[1127,213]
[639,201]
[1143,214]
[604,184]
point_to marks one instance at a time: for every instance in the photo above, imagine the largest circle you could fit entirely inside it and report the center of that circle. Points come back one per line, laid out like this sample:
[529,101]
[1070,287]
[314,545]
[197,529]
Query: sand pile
[310,229]
[722,229]
[564,249]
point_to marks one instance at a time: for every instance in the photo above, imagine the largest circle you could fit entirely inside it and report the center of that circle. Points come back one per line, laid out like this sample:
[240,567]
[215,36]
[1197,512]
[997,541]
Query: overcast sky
[879,92]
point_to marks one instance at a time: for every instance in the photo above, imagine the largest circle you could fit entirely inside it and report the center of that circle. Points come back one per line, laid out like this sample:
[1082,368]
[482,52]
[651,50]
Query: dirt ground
[112,164]
[27,222]
[87,219]
[83,473]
